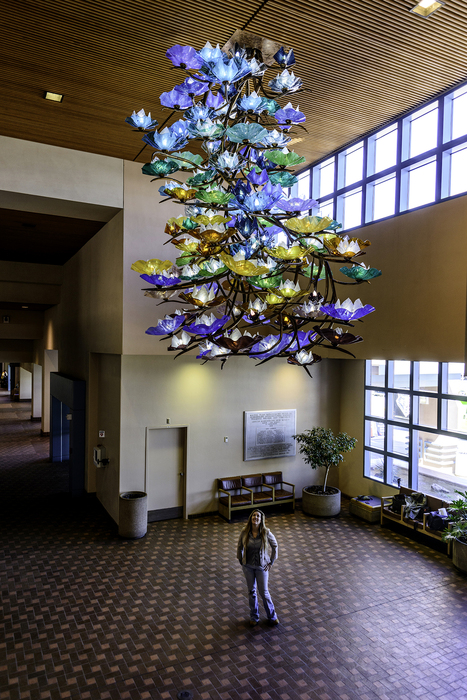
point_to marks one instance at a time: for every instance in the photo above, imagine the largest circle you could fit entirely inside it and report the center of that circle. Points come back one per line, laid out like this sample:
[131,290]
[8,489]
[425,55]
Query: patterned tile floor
[365,613]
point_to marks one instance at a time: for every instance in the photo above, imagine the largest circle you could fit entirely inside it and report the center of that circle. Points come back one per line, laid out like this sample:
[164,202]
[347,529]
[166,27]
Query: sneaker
[275,621]
[253,623]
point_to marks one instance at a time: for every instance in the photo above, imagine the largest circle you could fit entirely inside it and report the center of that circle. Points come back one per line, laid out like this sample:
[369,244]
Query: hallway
[365,613]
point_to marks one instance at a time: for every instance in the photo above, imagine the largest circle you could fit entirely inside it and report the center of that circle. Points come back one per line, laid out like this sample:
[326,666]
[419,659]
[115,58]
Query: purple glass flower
[192,87]
[348,310]
[166,325]
[284,58]
[268,347]
[296,204]
[288,116]
[304,339]
[258,178]
[207,324]
[176,100]
[161,280]
[184,57]
[214,101]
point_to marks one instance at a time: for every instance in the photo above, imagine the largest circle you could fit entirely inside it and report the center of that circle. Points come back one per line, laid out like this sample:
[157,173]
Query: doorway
[166,461]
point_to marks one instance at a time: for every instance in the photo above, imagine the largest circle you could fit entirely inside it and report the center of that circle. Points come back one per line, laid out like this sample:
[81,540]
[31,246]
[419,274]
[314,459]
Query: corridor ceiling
[362,62]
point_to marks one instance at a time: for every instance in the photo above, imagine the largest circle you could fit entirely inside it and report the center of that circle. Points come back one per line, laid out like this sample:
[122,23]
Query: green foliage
[321,448]
[458,516]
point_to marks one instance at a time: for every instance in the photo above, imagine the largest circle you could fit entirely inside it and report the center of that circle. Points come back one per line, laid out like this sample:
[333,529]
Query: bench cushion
[272,478]
[230,483]
[282,493]
[262,496]
[252,480]
[242,500]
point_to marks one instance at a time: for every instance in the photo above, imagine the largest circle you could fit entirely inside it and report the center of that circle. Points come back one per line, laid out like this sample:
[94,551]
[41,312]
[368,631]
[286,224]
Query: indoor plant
[458,531]
[321,448]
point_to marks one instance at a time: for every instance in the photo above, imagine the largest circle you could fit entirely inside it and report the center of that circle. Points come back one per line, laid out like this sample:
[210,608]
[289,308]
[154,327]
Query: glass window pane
[385,149]
[398,440]
[326,209]
[374,434]
[376,370]
[459,113]
[398,472]
[456,415]
[375,404]
[374,465]
[353,164]
[303,186]
[384,198]
[427,411]
[423,130]
[427,376]
[421,184]
[399,407]
[352,209]
[456,384]
[400,374]
[458,171]
[442,464]
[326,178]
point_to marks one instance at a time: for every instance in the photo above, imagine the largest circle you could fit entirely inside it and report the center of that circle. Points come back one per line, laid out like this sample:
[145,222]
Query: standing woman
[252,553]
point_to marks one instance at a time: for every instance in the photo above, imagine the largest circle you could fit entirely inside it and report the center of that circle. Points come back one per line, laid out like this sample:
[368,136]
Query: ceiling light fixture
[53,96]
[253,272]
[425,8]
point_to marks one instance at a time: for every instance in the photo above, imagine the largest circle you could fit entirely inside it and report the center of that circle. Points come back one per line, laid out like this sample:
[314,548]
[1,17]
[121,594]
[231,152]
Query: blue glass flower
[199,111]
[214,101]
[207,324]
[348,310]
[228,71]
[275,139]
[241,190]
[166,325]
[141,120]
[206,129]
[184,57]
[228,90]
[258,178]
[284,58]
[166,140]
[288,116]
[179,128]
[248,248]
[208,53]
[285,82]
[357,272]
[295,204]
[192,87]
[212,146]
[229,161]
[161,280]
[253,104]
[304,338]
[176,100]
[268,347]
[246,133]
[246,225]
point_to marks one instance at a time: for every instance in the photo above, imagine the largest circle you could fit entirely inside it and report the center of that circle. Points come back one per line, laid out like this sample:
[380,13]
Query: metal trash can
[133,514]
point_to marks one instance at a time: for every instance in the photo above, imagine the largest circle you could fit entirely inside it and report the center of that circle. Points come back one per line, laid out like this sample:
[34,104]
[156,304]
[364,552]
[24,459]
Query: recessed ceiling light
[54,96]
[25,307]
[425,8]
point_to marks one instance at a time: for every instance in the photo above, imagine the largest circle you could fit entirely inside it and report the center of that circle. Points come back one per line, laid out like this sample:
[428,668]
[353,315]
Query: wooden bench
[433,504]
[253,491]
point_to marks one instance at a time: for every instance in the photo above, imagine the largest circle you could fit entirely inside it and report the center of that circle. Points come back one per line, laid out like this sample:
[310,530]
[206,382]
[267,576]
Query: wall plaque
[268,434]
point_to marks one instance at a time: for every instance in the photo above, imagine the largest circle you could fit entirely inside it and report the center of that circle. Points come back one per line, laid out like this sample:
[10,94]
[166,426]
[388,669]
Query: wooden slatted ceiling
[363,62]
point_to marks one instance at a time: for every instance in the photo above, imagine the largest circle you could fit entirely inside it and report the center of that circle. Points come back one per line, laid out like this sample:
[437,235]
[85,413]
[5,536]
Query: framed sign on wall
[268,434]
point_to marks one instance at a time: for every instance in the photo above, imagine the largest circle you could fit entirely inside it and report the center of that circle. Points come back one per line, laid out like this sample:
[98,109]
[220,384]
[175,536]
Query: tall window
[419,159]
[416,425]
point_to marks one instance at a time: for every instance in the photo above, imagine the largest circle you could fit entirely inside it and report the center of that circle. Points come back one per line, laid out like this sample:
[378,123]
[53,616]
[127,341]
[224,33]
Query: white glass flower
[347,246]
[182,341]
[304,358]
[203,294]
[190,270]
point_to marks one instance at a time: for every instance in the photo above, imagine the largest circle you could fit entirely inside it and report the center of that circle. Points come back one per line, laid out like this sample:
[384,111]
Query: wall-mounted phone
[99,456]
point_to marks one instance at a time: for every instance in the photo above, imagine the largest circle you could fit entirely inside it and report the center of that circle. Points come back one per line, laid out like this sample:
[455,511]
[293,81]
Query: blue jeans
[257,580]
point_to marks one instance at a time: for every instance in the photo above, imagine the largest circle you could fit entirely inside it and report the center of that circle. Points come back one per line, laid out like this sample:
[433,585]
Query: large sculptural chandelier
[253,276]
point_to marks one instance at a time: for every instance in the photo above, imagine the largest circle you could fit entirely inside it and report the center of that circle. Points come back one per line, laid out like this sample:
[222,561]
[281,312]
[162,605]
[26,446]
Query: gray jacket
[265,558]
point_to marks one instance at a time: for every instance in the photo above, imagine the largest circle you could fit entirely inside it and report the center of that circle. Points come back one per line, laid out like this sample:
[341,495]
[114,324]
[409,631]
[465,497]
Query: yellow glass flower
[308,224]
[292,253]
[210,220]
[187,246]
[346,247]
[272,298]
[246,268]
[181,194]
[151,267]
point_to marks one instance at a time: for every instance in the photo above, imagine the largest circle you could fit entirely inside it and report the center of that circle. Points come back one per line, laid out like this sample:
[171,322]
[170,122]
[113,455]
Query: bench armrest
[227,493]
[271,488]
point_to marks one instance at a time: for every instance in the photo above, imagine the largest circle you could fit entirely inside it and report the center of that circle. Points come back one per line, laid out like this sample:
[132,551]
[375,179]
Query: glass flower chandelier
[253,276]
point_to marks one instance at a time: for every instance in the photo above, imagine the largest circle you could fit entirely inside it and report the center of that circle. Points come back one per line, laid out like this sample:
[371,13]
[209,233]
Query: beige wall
[211,402]
[420,299]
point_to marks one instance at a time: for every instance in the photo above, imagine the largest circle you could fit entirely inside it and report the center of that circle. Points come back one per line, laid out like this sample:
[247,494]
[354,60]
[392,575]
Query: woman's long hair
[263,530]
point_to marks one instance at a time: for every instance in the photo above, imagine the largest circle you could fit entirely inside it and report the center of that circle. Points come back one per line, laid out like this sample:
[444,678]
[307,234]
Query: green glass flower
[201,178]
[266,281]
[160,168]
[246,133]
[285,159]
[185,260]
[214,197]
[284,179]
[307,272]
[186,160]
[357,272]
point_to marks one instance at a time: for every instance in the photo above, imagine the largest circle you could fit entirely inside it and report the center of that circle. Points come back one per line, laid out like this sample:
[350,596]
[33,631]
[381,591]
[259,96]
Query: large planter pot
[325,505]
[459,555]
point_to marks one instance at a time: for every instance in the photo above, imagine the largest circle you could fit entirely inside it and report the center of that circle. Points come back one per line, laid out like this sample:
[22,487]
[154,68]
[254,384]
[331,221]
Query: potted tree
[321,448]
[457,531]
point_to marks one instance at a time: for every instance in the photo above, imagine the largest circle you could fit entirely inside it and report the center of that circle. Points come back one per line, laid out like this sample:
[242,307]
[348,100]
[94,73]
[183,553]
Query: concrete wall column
[36,401]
